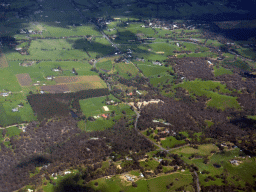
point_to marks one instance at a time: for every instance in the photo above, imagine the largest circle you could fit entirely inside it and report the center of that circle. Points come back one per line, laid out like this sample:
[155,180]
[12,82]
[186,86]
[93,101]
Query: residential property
[4,94]
[104,116]
[105,108]
[157,63]
[15,110]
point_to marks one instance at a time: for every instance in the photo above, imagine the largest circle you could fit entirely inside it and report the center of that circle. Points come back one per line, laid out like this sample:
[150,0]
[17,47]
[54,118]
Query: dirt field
[77,79]
[24,79]
[55,88]
[3,61]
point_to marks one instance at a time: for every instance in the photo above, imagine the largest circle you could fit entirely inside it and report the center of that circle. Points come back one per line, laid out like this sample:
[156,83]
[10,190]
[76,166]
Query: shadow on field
[92,46]
[71,184]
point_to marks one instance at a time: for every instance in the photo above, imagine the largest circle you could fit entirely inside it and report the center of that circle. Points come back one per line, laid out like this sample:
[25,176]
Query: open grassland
[3,61]
[8,81]
[94,107]
[162,80]
[171,142]
[212,90]
[125,69]
[24,114]
[105,65]
[59,30]
[63,49]
[243,172]
[39,72]
[158,184]
[221,71]
[237,63]
[148,69]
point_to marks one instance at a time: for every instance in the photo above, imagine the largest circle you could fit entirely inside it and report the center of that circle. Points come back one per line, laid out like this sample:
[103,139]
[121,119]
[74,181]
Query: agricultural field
[103,118]
[219,163]
[126,70]
[3,61]
[212,90]
[157,184]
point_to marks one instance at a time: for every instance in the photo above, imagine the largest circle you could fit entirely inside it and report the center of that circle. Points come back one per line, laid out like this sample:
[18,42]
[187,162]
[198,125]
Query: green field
[221,71]
[95,106]
[214,91]
[171,142]
[158,184]
[105,65]
[126,70]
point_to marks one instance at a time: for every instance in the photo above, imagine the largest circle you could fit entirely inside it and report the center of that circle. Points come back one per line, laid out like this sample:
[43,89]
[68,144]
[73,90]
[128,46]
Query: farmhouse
[5,94]
[50,77]
[234,162]
[15,110]
[157,63]
[105,108]
[56,70]
[104,116]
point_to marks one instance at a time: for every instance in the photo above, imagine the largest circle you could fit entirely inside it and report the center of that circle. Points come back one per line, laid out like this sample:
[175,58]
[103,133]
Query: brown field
[55,88]
[24,79]
[3,61]
[77,79]
[79,86]
[83,86]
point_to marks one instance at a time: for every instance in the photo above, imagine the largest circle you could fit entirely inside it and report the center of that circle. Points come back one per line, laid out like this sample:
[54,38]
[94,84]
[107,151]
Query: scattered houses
[4,94]
[157,63]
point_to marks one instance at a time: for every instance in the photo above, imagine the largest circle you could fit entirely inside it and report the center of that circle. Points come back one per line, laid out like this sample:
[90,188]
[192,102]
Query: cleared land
[55,88]
[79,79]
[24,79]
[3,61]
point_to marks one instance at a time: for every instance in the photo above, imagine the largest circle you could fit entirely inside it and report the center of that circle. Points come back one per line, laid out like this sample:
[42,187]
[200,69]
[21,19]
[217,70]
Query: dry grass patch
[24,79]
[3,61]
[77,79]
[55,88]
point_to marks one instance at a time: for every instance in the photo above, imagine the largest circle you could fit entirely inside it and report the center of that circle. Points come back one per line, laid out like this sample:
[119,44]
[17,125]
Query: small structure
[105,108]
[15,110]
[104,116]
[157,63]
[5,94]
[67,172]
[56,70]
[178,45]
[42,92]
[210,63]
[138,92]
[50,78]
[234,162]
[20,105]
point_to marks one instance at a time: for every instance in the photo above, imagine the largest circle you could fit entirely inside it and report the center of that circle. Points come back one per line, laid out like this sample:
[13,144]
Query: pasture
[158,184]
[3,61]
[93,107]
[215,91]
[126,70]
[221,71]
